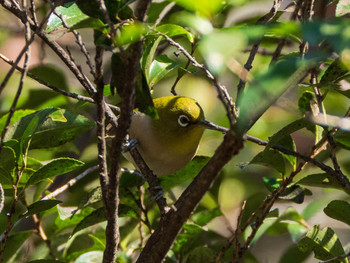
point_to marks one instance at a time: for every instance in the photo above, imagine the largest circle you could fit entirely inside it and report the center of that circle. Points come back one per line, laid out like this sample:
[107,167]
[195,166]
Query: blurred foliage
[50,137]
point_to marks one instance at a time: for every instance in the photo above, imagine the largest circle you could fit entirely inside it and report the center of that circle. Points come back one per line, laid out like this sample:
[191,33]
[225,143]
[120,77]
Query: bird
[171,141]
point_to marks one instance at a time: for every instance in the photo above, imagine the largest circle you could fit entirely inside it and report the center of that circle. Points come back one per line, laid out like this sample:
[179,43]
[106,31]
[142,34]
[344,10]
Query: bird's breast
[163,156]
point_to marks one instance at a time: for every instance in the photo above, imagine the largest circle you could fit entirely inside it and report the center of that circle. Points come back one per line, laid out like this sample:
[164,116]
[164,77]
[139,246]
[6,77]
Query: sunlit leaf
[93,23]
[220,46]
[71,14]
[172,30]
[50,133]
[197,23]
[324,243]
[268,87]
[161,66]
[204,8]
[130,33]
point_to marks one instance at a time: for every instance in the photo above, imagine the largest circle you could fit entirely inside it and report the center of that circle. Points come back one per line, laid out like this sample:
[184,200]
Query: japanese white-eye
[168,143]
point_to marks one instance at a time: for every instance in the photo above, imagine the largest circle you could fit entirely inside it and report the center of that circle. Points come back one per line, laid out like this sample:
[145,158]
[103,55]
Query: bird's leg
[129,144]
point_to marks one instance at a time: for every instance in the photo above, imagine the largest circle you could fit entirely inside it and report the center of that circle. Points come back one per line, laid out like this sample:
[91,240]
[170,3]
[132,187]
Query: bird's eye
[183,121]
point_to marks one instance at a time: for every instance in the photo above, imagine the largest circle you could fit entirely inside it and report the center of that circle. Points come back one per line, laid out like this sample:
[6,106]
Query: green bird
[170,142]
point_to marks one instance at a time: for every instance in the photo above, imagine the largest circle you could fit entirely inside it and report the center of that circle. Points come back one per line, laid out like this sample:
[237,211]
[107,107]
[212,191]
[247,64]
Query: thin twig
[69,184]
[12,110]
[20,55]
[152,180]
[80,43]
[248,65]
[48,85]
[282,42]
[173,91]
[337,259]
[223,94]
[109,22]
[20,87]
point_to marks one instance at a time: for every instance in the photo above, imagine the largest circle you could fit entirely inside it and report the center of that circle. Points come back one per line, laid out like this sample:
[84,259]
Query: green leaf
[130,33]
[93,23]
[40,206]
[343,8]
[205,8]
[252,204]
[52,130]
[51,74]
[294,193]
[130,179]
[188,235]
[93,197]
[331,31]
[92,256]
[144,101]
[197,23]
[54,168]
[67,220]
[155,10]
[342,138]
[324,243]
[271,183]
[7,159]
[268,87]
[71,14]
[320,180]
[161,66]
[294,254]
[114,8]
[172,30]
[151,45]
[184,175]
[204,217]
[339,210]
[335,71]
[271,158]
[13,243]
[17,115]
[95,217]
[202,254]
[99,216]
[217,48]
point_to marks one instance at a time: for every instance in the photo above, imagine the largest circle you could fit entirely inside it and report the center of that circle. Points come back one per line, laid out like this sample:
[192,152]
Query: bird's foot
[129,145]
[157,192]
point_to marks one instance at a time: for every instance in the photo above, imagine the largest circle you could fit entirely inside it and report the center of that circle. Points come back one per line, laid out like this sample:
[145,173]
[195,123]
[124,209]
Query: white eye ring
[183,121]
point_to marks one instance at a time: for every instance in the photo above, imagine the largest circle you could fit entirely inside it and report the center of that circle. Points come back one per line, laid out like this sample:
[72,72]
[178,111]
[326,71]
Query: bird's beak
[212,126]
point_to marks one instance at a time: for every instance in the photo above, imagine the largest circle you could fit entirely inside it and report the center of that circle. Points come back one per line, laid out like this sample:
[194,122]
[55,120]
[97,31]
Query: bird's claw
[129,144]
[157,192]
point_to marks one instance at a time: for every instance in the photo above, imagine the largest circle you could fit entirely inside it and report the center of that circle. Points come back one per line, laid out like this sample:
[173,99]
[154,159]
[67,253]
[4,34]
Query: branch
[151,179]
[130,59]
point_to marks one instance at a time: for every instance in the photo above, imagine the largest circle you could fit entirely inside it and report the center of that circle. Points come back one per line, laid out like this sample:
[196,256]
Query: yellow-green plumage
[167,144]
